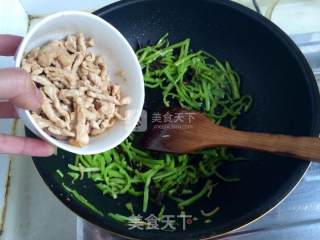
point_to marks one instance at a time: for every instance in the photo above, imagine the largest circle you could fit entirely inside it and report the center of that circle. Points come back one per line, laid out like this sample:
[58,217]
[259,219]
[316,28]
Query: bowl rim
[138,111]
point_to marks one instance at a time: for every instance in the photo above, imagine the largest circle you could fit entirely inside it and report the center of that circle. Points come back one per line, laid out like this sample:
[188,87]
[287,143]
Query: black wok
[273,72]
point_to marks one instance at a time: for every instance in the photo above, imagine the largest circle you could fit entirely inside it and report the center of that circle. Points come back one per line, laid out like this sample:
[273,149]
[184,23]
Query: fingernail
[53,150]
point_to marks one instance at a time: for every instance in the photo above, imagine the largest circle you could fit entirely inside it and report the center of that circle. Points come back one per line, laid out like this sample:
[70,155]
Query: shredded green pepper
[197,196]
[194,80]
[129,206]
[82,199]
[211,213]
[58,171]
[161,212]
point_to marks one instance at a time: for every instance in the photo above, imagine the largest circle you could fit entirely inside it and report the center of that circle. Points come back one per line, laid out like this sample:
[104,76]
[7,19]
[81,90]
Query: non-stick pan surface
[273,72]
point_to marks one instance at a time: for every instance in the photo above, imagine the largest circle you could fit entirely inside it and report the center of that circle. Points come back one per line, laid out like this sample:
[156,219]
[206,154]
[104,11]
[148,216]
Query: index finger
[16,86]
[25,146]
[9,44]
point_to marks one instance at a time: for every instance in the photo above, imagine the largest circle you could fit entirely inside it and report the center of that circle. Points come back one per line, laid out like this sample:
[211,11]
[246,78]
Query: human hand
[17,89]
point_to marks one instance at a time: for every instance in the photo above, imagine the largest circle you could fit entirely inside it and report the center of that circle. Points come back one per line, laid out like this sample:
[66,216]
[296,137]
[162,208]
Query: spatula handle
[307,148]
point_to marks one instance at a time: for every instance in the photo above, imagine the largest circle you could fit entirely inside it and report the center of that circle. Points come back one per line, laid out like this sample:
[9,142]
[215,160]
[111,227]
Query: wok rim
[314,130]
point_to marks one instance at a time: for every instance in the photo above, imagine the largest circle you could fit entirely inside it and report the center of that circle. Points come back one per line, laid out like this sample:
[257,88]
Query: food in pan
[193,80]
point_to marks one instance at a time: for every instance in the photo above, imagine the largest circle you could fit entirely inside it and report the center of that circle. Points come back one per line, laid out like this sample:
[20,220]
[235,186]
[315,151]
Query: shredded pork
[79,99]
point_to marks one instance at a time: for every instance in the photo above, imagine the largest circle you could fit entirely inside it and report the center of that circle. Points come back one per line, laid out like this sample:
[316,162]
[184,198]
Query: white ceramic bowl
[123,68]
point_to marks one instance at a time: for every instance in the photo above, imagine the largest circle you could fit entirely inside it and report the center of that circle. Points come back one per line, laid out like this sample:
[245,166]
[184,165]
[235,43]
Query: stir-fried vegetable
[194,80]
[82,199]
[211,213]
[197,80]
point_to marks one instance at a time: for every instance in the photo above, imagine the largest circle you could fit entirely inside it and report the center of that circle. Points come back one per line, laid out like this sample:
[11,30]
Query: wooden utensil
[194,131]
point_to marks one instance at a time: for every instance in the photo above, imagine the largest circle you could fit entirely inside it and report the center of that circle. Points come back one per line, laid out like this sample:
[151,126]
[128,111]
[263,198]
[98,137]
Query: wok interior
[270,72]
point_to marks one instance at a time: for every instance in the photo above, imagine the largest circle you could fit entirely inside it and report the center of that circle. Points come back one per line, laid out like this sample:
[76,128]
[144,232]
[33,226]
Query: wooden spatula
[190,131]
